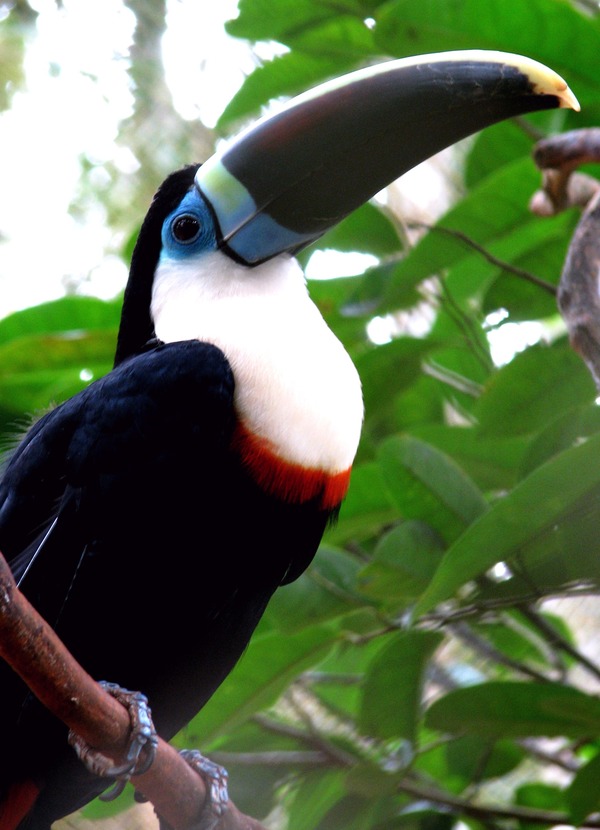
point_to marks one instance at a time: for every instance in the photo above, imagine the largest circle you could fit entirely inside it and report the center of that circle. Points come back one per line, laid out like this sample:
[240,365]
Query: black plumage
[140,538]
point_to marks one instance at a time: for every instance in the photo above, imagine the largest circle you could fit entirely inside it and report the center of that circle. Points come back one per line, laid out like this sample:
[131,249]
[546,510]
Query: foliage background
[437,664]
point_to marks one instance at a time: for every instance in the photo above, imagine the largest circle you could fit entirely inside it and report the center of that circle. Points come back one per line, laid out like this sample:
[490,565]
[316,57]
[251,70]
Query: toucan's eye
[186,228]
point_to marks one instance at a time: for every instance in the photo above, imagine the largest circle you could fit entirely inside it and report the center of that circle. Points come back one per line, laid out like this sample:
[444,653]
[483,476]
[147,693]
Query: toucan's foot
[217,796]
[141,750]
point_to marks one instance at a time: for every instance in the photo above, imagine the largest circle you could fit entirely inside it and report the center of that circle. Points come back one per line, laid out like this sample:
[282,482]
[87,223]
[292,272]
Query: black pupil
[186,228]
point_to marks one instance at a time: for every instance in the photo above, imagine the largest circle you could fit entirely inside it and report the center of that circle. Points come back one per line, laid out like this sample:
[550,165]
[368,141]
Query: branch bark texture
[578,292]
[34,651]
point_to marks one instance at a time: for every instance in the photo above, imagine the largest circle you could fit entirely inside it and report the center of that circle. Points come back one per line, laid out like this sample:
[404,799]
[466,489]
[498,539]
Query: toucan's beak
[294,175]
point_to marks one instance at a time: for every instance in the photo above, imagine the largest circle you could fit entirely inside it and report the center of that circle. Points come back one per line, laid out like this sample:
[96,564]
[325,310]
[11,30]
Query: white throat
[295,384]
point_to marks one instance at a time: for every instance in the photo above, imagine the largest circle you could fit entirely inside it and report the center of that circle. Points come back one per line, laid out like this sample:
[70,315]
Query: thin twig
[275,758]
[486,649]
[557,641]
[486,812]
[493,260]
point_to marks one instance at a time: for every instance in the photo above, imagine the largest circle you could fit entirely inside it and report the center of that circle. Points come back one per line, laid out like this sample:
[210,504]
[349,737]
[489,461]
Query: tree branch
[562,188]
[486,812]
[34,651]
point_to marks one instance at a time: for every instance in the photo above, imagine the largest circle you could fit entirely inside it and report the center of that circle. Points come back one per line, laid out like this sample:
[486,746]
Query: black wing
[95,521]
[143,541]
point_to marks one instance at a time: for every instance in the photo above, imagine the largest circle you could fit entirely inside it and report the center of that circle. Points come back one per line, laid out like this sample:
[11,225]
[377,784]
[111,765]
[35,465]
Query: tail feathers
[17,803]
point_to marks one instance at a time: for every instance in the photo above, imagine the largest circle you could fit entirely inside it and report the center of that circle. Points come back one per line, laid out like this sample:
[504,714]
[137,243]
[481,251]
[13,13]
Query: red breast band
[288,482]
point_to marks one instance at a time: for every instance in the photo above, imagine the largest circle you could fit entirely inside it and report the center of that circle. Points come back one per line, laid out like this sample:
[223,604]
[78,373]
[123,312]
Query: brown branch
[577,297]
[556,641]
[485,812]
[34,651]
[558,157]
[484,648]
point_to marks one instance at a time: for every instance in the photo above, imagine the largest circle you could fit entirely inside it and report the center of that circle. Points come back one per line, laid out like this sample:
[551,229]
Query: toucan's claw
[141,749]
[215,777]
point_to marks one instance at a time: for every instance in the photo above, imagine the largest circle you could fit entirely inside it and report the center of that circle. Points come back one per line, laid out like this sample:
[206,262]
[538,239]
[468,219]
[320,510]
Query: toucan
[151,517]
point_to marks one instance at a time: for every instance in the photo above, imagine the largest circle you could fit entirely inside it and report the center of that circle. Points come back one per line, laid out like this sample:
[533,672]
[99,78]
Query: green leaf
[343,36]
[540,796]
[285,75]
[404,562]
[356,813]
[391,706]
[264,20]
[366,509]
[427,485]
[534,246]
[512,642]
[36,370]
[253,787]
[339,680]
[385,372]
[326,591]
[567,430]
[367,230]
[552,31]
[69,314]
[493,148]
[543,512]
[489,211]
[317,794]
[265,670]
[583,794]
[516,710]
[492,462]
[51,351]
[533,389]
[475,759]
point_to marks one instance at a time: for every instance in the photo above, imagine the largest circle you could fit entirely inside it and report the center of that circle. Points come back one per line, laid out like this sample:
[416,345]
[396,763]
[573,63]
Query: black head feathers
[136,327]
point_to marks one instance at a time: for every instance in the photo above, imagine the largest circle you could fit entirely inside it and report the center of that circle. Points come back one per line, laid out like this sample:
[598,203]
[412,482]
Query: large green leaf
[338,682]
[318,792]
[541,796]
[326,591]
[367,230]
[583,795]
[355,812]
[326,43]
[386,371]
[494,147]
[475,758]
[403,563]
[533,389]
[493,462]
[37,370]
[285,75]
[69,314]
[366,509]
[518,710]
[51,351]
[391,706]
[564,431]
[265,670]
[552,514]
[552,31]
[425,484]
[265,20]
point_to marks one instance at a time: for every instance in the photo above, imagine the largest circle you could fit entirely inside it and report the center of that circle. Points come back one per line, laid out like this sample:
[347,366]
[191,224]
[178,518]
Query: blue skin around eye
[192,204]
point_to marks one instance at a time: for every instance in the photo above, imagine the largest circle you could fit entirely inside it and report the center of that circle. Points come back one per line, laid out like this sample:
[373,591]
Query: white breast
[295,384]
